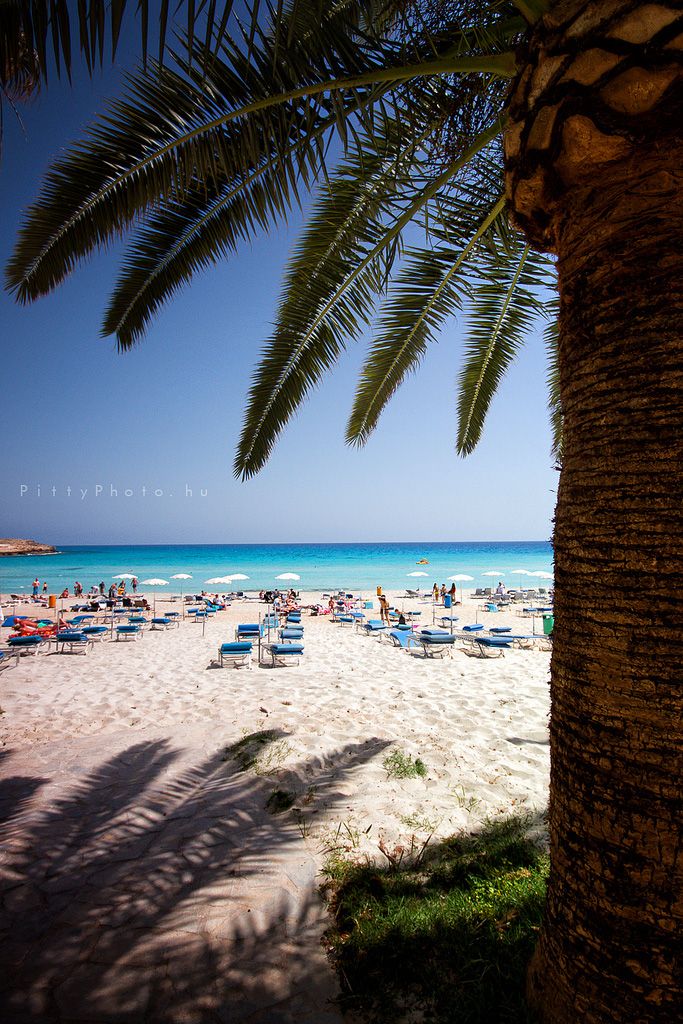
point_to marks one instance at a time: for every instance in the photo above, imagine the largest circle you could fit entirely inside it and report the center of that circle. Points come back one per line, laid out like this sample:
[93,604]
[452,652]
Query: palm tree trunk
[606,194]
[606,952]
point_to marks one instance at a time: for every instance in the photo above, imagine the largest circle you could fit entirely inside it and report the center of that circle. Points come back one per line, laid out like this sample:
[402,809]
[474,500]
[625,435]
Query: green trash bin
[548,624]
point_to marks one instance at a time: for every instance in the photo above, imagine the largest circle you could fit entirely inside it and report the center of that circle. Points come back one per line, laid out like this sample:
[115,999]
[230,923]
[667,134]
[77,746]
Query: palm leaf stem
[356,434]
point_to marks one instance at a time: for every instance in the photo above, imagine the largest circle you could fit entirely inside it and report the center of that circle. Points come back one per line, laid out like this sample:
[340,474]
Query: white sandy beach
[161,713]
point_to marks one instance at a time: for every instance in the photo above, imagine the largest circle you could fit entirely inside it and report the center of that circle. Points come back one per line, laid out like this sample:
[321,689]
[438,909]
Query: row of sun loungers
[287,649]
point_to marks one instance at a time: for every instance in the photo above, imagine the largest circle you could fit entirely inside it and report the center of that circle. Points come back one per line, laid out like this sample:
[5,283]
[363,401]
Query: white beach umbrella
[461,577]
[181,576]
[493,572]
[154,582]
[520,573]
[124,576]
[239,576]
[220,579]
[288,576]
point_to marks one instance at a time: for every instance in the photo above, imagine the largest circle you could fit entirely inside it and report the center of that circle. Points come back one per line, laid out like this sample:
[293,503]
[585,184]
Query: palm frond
[432,286]
[53,29]
[204,124]
[185,237]
[504,305]
[550,336]
[327,304]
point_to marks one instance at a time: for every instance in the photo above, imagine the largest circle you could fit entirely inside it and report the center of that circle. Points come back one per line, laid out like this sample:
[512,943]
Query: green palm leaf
[432,286]
[505,303]
[186,237]
[46,28]
[554,403]
[210,125]
[395,107]
[328,300]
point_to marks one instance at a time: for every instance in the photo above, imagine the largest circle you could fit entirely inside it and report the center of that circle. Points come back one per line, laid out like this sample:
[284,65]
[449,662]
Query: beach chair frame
[77,643]
[282,654]
[228,654]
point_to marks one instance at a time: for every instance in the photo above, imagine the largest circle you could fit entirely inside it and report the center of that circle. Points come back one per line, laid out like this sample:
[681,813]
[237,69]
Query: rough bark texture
[595,174]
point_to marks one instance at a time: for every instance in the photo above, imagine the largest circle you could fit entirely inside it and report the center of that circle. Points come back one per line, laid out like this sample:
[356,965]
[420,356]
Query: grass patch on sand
[446,938]
[399,765]
[263,752]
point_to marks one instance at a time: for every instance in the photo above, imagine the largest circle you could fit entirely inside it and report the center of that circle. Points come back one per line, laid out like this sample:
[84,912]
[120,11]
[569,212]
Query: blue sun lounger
[74,640]
[235,653]
[129,632]
[491,646]
[79,621]
[344,620]
[281,654]
[162,622]
[248,631]
[291,633]
[435,643]
[399,637]
[373,626]
[95,632]
[27,644]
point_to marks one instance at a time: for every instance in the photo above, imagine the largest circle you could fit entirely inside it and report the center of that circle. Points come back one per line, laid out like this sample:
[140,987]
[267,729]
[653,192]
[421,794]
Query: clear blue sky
[167,416]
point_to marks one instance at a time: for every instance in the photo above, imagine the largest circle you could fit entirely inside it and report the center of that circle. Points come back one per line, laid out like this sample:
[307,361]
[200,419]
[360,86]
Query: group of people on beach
[115,590]
[439,593]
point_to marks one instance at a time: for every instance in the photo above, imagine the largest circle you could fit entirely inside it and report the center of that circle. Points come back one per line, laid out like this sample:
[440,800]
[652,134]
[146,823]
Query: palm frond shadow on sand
[148,894]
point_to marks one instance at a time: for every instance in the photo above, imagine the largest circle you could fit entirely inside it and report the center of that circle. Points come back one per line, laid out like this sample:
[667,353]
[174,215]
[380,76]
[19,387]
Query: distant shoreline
[12,546]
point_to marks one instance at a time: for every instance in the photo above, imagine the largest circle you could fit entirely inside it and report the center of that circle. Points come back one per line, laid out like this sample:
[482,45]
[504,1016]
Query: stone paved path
[151,885]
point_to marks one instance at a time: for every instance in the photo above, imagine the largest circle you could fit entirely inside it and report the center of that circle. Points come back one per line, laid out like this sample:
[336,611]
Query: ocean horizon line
[304,543]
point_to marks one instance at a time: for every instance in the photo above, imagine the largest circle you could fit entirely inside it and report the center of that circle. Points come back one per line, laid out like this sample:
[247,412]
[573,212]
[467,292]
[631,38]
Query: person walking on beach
[45,586]
[435,593]
[36,584]
[134,584]
[384,609]
[443,592]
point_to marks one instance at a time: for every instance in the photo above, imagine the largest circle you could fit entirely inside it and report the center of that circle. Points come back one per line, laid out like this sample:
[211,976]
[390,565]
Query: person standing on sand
[384,609]
[102,588]
[36,584]
[435,593]
[45,586]
[134,584]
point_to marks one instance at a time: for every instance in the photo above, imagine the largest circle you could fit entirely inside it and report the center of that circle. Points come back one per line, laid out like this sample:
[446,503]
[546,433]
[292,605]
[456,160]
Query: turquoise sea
[359,567]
